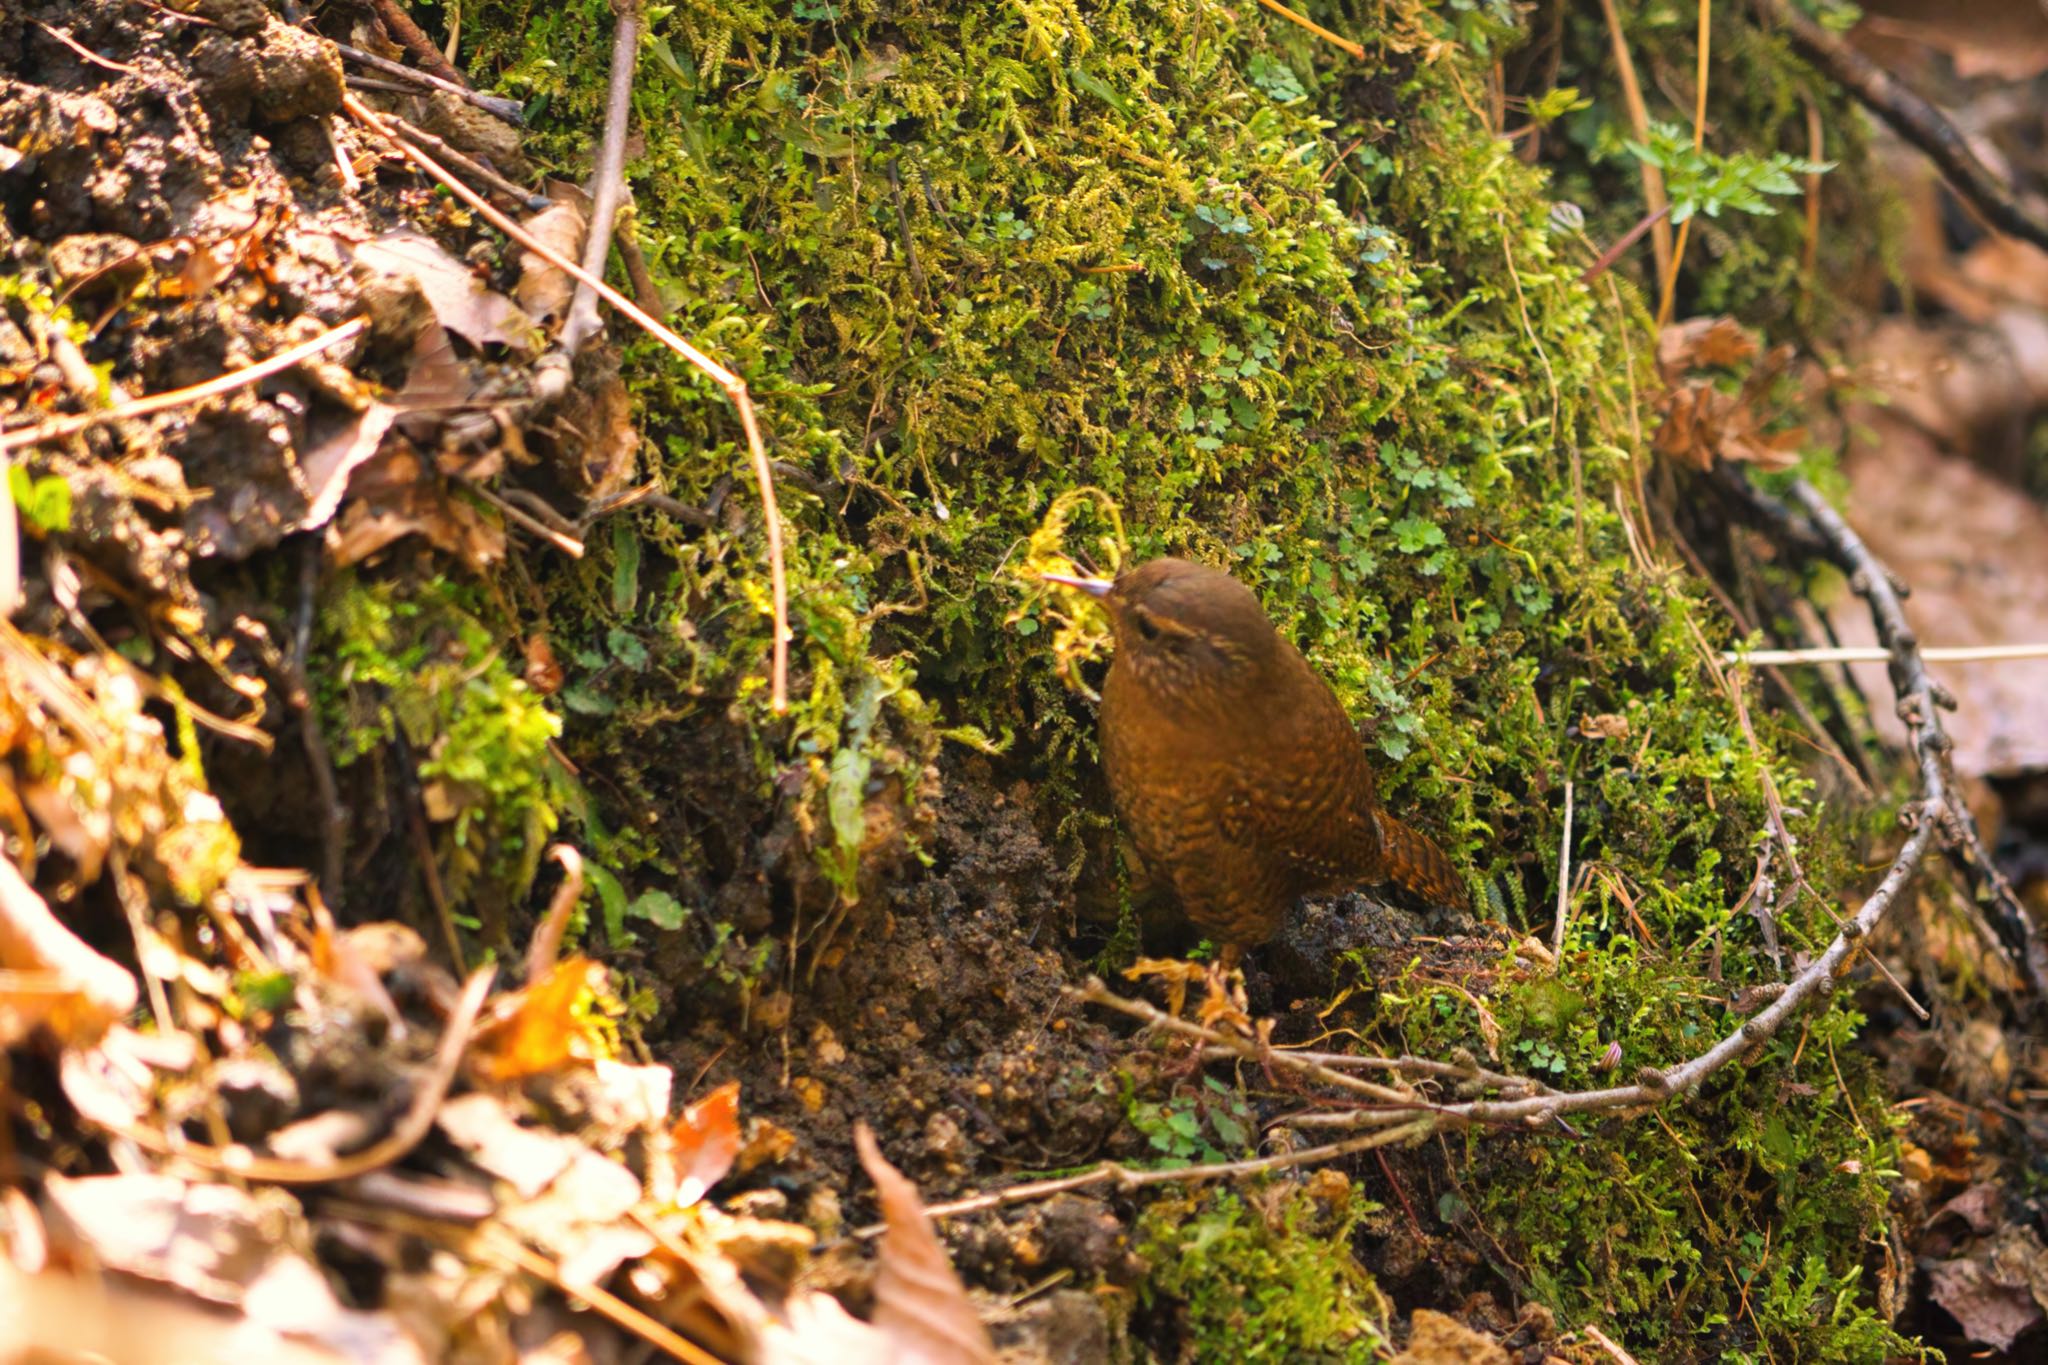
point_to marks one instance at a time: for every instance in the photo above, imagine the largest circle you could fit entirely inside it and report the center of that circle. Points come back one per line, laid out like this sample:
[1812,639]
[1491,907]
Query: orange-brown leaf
[706,1138]
[920,1304]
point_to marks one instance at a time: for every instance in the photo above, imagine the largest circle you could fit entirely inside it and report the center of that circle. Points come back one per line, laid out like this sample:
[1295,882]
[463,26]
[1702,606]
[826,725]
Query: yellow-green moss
[1274,1281]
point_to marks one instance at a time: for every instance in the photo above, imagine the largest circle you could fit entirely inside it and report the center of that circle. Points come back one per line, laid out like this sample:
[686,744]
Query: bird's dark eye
[1147,627]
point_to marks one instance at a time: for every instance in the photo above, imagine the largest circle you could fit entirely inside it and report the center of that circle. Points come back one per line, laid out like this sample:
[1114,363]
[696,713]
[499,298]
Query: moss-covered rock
[1307,317]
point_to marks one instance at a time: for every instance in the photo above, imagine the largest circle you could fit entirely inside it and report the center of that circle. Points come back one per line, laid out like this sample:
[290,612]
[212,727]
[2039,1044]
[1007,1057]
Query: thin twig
[410,37]
[1355,51]
[735,388]
[1703,43]
[85,53]
[507,109]
[1094,992]
[1564,878]
[1607,258]
[57,428]
[1127,1179]
[568,545]
[1654,198]
[135,906]
[473,168]
[1912,118]
[547,940]
[608,180]
[1607,1344]
[609,1305]
[1934,654]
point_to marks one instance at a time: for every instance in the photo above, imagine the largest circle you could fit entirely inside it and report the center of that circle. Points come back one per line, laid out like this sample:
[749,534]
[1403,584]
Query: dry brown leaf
[327,465]
[1177,973]
[706,1139]
[1700,343]
[459,300]
[1702,421]
[54,978]
[544,289]
[208,1240]
[1996,1293]
[56,1316]
[920,1304]
[526,1159]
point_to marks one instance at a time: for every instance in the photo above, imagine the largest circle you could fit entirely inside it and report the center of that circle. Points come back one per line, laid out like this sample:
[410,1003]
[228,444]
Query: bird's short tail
[1416,865]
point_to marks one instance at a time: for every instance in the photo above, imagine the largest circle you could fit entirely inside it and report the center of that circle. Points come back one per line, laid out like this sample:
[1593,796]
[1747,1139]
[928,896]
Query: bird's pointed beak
[1094,587]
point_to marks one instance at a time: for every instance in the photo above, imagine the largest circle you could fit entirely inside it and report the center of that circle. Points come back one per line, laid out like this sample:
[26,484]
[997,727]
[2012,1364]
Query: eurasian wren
[1233,765]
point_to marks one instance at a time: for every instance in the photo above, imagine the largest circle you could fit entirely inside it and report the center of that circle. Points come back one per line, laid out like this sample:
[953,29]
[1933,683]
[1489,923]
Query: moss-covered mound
[1305,316]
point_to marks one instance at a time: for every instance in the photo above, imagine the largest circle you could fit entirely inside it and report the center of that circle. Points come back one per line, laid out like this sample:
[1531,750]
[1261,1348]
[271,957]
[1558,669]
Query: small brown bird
[1233,765]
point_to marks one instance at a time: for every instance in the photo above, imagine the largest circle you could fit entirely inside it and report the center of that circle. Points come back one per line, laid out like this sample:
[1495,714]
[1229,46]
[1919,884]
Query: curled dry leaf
[544,289]
[920,1304]
[460,302]
[707,1139]
[1609,726]
[1702,421]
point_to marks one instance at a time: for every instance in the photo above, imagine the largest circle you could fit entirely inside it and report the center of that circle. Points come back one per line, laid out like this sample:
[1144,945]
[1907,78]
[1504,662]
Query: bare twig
[1353,50]
[1867,575]
[410,37]
[735,388]
[1654,197]
[1607,1344]
[609,1305]
[1934,654]
[1607,258]
[507,109]
[1912,118]
[1093,992]
[471,167]
[568,545]
[609,176]
[1109,1172]
[57,428]
[1703,44]
[1564,878]
[547,940]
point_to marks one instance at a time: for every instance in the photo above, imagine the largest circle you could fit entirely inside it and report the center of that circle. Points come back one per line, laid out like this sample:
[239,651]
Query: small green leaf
[660,909]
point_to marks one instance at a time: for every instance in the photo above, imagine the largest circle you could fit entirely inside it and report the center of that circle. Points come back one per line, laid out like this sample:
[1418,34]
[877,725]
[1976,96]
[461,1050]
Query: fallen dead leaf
[543,1032]
[459,300]
[920,1304]
[54,979]
[706,1140]
[1998,1291]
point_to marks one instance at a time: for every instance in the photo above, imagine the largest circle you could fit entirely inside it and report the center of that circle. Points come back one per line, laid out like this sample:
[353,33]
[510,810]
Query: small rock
[239,17]
[297,74]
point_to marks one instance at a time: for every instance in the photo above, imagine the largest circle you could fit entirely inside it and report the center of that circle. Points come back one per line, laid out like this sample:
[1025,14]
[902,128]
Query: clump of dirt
[938,1016]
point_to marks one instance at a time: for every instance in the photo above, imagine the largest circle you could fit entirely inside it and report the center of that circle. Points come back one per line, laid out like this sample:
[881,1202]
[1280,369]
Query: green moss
[419,662]
[1241,1284]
